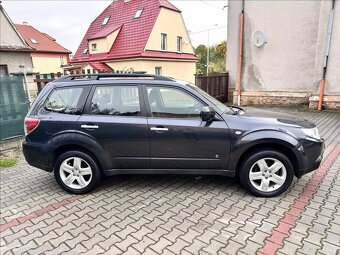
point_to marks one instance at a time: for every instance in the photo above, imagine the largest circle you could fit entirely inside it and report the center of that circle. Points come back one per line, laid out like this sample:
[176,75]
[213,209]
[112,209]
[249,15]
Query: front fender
[263,138]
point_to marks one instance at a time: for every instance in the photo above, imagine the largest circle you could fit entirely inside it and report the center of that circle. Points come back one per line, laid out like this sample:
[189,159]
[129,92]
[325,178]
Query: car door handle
[89,126]
[159,129]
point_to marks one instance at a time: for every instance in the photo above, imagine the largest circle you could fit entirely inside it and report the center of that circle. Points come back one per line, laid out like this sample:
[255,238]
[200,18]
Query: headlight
[312,132]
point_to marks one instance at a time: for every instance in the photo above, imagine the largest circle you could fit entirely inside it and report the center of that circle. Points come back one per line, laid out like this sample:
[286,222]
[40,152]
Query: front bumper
[38,156]
[312,155]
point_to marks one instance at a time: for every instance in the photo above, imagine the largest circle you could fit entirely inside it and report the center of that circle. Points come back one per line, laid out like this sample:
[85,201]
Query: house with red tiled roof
[15,54]
[48,55]
[137,36]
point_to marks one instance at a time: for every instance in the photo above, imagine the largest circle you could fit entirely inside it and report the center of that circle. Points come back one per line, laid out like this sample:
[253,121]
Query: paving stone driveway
[175,214]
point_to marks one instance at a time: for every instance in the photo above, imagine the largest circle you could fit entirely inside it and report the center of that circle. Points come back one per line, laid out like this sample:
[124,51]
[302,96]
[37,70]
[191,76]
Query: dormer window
[105,20]
[33,41]
[138,13]
[85,51]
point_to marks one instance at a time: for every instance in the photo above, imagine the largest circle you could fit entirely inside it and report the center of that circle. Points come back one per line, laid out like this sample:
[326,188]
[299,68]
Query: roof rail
[107,76]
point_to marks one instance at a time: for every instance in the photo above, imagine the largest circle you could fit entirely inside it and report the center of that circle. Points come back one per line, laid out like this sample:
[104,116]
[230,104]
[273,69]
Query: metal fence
[215,85]
[13,107]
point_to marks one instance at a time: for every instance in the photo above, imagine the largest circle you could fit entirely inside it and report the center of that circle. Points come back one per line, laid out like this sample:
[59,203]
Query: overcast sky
[67,21]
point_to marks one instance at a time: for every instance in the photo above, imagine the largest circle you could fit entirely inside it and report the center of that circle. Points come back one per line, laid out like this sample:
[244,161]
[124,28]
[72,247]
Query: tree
[201,53]
[217,58]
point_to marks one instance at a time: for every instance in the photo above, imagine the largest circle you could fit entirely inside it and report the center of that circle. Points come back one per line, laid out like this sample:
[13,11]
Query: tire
[76,172]
[267,173]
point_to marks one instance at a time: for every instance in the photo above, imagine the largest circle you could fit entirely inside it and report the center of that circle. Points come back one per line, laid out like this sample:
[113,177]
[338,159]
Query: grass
[8,162]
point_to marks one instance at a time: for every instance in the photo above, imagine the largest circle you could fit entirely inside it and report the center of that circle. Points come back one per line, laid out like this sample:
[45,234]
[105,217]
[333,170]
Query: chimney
[25,23]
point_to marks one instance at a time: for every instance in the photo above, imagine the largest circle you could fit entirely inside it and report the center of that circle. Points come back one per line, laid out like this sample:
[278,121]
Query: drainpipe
[239,73]
[328,43]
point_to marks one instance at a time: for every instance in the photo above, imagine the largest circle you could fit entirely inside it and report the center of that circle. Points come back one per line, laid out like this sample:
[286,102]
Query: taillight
[30,125]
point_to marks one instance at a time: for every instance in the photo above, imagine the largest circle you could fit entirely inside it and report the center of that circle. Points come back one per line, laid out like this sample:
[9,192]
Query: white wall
[291,60]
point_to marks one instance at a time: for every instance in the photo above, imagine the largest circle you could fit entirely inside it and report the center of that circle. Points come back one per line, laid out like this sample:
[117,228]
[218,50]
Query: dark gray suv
[84,127]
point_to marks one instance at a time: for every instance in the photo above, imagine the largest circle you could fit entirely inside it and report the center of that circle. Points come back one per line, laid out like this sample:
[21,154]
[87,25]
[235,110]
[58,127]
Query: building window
[158,70]
[3,70]
[179,44]
[94,46]
[105,20]
[33,41]
[85,51]
[138,13]
[163,41]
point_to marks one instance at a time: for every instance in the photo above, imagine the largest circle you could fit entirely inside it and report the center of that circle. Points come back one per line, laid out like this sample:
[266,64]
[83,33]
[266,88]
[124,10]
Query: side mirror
[208,113]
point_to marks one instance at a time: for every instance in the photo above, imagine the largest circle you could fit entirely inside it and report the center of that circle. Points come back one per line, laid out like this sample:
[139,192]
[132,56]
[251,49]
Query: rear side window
[116,100]
[64,100]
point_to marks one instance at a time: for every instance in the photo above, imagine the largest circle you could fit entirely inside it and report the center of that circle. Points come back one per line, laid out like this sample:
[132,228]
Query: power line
[201,31]
[211,5]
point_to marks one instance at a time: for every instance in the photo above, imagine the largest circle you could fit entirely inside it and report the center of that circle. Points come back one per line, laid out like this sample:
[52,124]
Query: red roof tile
[134,33]
[105,32]
[166,4]
[45,43]
[99,66]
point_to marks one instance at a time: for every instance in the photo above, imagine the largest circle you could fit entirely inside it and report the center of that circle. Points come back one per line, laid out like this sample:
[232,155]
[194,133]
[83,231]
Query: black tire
[250,164]
[92,181]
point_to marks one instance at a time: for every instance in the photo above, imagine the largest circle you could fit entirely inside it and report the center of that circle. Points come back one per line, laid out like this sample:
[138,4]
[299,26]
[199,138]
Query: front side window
[116,100]
[173,103]
[64,100]
[163,41]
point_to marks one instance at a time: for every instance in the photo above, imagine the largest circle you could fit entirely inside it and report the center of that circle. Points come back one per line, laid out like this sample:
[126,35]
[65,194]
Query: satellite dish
[258,39]
[186,40]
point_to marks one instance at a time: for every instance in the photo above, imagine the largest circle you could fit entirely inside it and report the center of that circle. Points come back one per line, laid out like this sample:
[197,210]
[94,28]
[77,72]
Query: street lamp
[215,25]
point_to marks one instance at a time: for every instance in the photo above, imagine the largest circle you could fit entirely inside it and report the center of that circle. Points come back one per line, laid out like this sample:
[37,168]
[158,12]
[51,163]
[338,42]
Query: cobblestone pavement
[175,214]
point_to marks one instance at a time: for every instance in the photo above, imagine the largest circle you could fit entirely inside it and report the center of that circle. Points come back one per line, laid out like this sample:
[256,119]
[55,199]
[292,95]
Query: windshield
[224,108]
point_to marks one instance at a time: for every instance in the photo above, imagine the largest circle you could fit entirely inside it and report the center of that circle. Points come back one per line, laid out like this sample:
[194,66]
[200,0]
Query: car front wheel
[267,173]
[76,172]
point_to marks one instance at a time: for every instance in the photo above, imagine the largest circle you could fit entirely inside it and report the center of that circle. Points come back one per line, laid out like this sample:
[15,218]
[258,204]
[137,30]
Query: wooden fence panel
[214,85]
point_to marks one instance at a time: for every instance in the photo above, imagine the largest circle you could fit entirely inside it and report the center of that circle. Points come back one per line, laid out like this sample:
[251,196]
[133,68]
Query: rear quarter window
[64,100]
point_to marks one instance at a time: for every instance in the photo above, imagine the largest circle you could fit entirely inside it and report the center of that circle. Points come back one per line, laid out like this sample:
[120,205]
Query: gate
[214,85]
[13,107]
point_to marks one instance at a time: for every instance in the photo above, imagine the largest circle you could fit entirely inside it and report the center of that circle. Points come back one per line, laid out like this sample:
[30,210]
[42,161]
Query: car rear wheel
[76,172]
[267,173]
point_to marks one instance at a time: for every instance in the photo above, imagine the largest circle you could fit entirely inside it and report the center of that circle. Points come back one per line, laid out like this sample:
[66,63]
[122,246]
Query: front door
[114,118]
[179,139]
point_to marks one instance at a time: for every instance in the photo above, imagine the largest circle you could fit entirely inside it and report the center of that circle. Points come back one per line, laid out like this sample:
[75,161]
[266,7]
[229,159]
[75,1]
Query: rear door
[179,139]
[115,118]
[59,114]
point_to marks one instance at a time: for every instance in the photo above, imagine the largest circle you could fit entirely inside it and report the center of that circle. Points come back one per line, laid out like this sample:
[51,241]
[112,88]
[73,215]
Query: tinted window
[171,102]
[116,100]
[64,100]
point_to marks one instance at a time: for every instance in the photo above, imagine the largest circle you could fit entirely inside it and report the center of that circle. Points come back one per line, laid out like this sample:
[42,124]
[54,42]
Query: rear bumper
[38,156]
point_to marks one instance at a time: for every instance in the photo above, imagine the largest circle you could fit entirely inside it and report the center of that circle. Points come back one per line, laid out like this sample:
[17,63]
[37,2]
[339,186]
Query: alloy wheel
[75,173]
[267,174]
